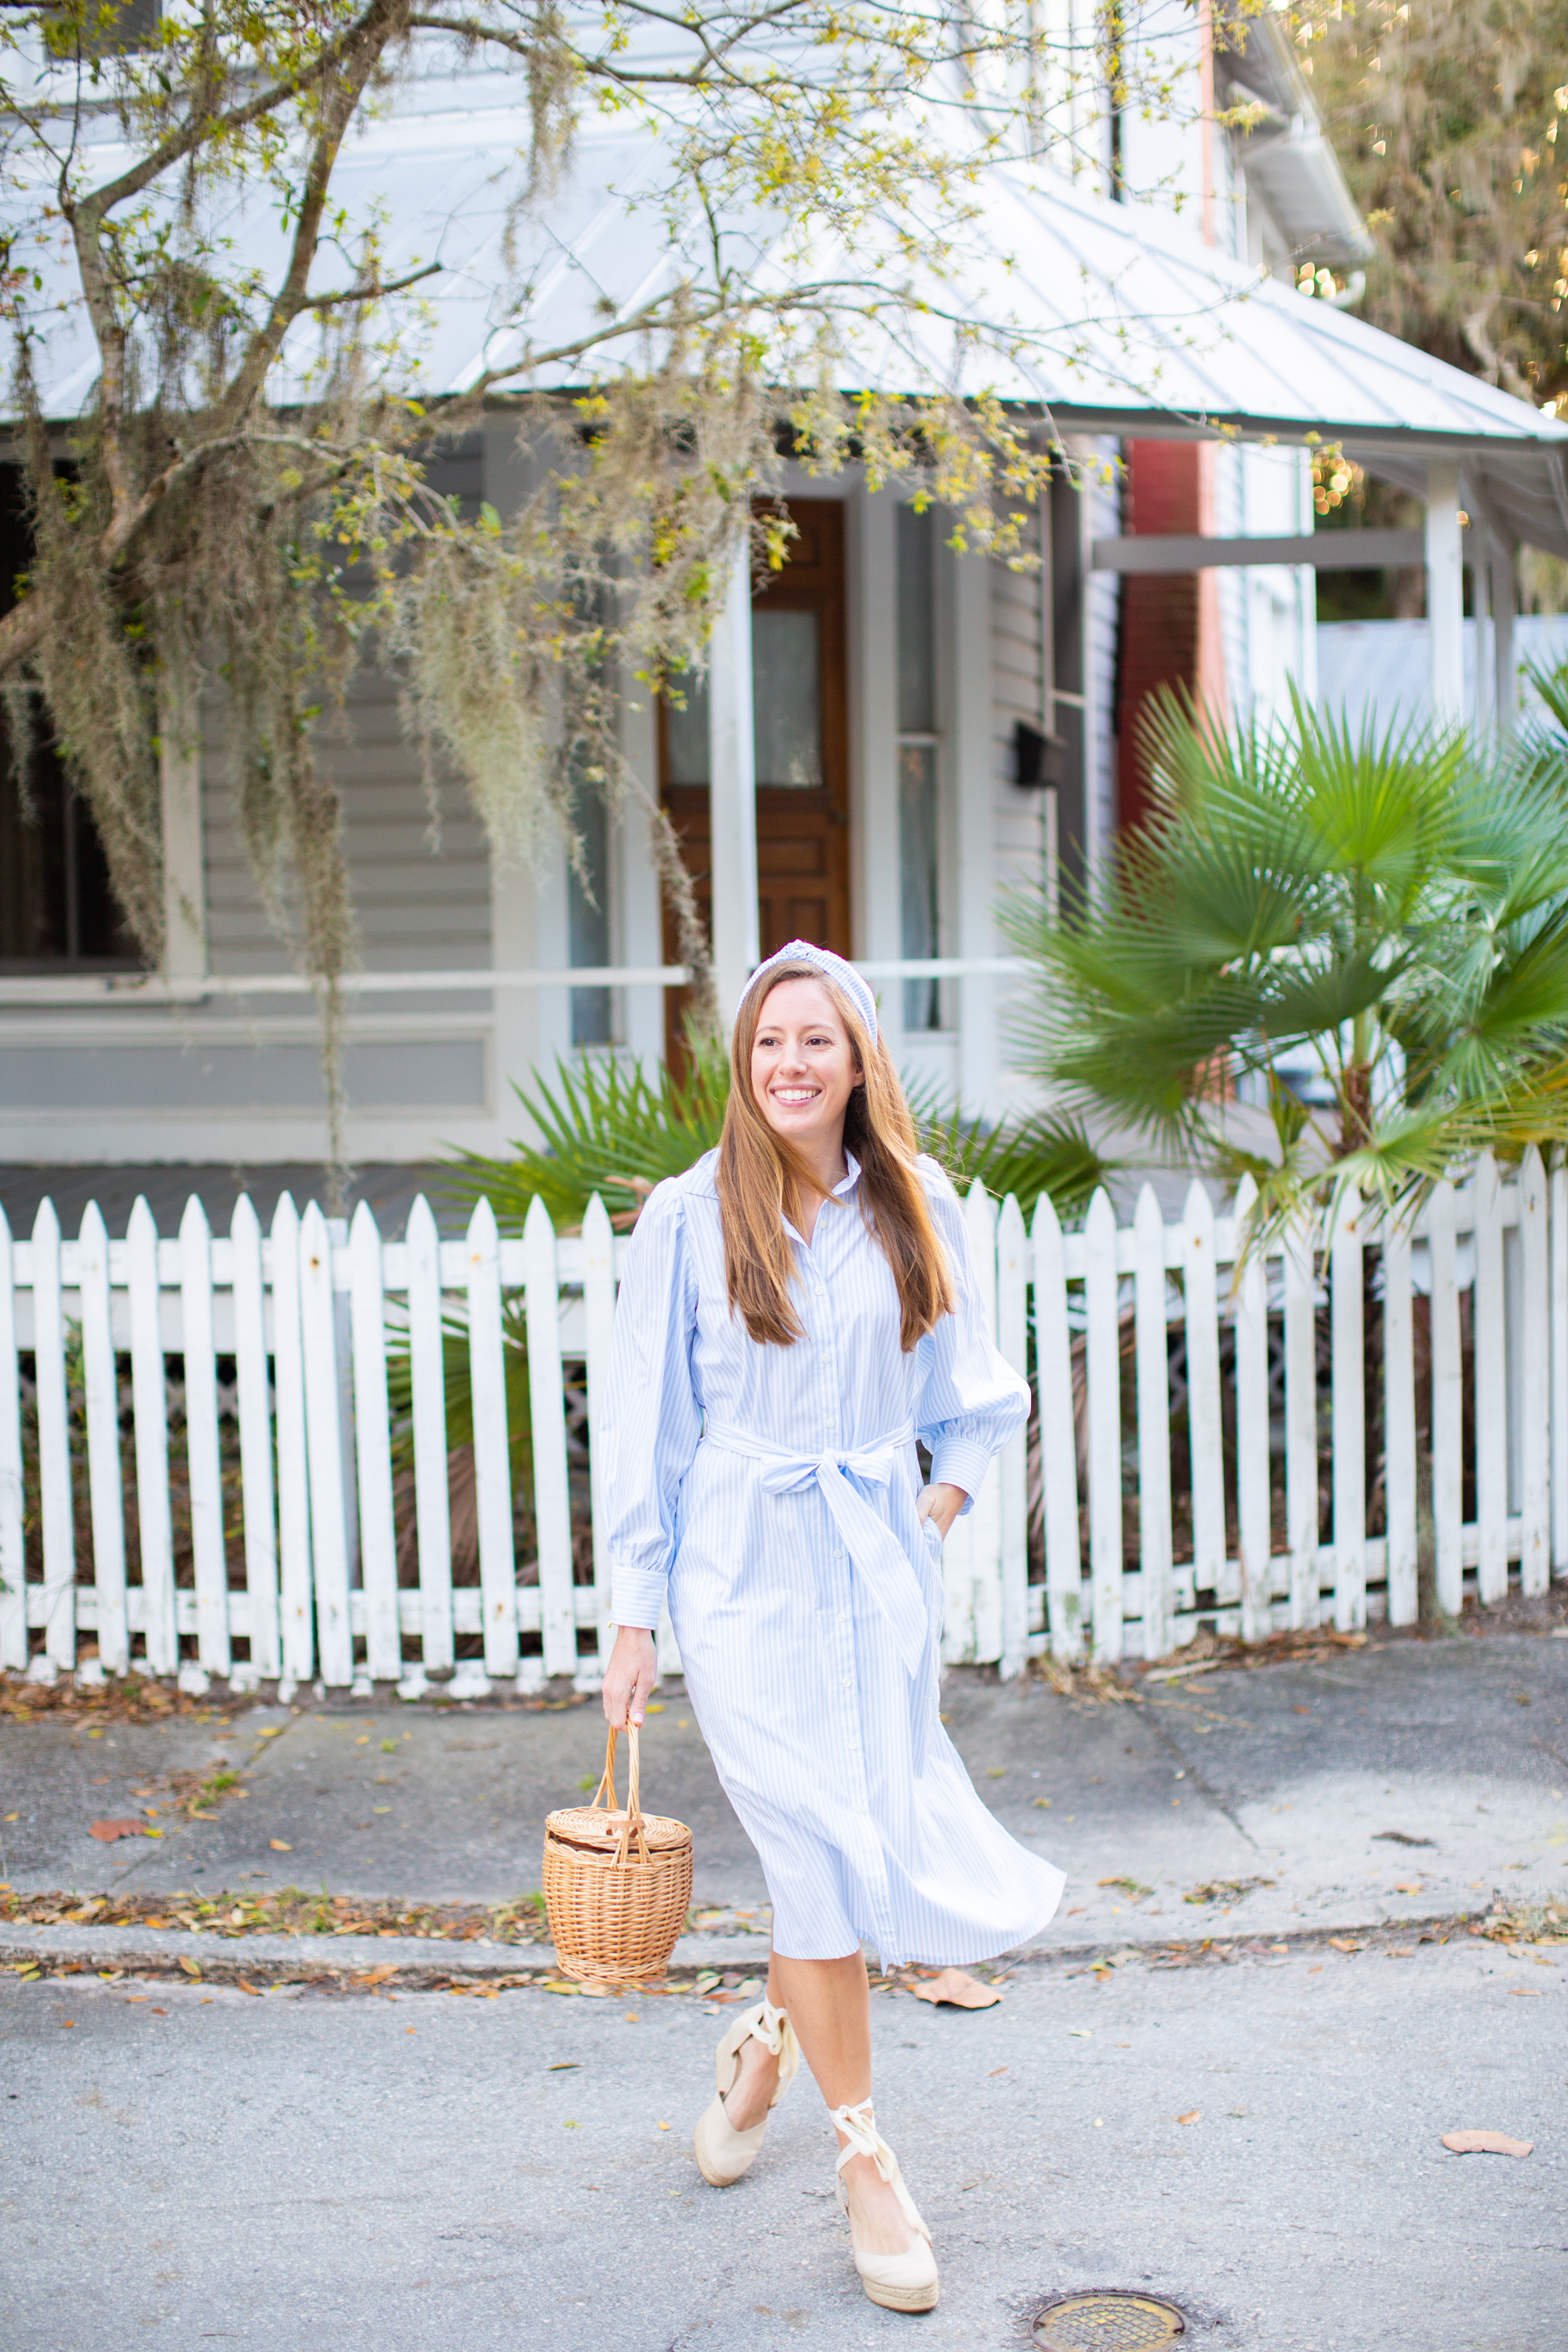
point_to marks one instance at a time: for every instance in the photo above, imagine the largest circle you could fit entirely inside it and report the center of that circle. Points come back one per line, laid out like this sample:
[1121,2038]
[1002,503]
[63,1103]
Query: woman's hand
[631,1675]
[942,1505]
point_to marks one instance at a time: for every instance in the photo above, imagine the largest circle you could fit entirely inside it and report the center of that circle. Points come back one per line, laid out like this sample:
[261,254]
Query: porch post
[180,809]
[1505,597]
[976,891]
[732,790]
[1445,593]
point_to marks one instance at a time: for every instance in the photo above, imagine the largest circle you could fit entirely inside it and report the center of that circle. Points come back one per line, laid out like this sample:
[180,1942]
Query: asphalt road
[188,2167]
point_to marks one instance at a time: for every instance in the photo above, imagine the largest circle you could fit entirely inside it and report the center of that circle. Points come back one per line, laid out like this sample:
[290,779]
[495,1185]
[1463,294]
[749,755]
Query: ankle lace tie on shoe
[859,2124]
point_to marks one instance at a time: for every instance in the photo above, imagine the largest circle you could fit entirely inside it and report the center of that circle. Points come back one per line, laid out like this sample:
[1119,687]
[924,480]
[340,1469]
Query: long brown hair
[762,1180]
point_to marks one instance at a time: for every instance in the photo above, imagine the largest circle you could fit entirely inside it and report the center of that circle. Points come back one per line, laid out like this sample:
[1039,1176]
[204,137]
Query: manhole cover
[1107,2321]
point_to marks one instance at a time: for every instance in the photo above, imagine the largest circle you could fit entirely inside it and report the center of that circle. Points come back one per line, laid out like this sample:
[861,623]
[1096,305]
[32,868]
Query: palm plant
[1394,905]
[606,1126]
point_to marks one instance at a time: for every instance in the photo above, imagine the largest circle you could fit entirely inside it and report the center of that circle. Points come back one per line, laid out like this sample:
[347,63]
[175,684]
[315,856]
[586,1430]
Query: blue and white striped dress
[770,1492]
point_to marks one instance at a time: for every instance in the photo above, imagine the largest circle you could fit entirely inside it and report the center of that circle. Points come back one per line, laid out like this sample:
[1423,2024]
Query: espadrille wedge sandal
[723,2152]
[906,2281]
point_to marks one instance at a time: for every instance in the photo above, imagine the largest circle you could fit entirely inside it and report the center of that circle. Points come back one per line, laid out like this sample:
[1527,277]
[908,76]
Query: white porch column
[180,804]
[1483,714]
[519,1040]
[1505,600]
[978,1060]
[732,791]
[1445,593]
[874,667]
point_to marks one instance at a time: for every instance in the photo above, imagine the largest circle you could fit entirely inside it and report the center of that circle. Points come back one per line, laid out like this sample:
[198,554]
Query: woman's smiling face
[804,1068]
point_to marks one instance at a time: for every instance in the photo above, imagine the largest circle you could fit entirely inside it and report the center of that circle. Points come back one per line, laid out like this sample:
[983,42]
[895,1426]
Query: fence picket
[1058,1440]
[1491,1387]
[1302,1504]
[105,1472]
[1251,1293]
[295,1566]
[492,1453]
[1103,1353]
[13,1550]
[1347,1320]
[1205,1426]
[599,1316]
[372,1425]
[1399,1423]
[432,1493]
[1535,1387]
[1154,1552]
[54,1440]
[551,1487]
[973,1550]
[1447,1401]
[255,1398]
[328,1519]
[313,1273]
[1012,1468]
[1557,1190]
[150,1406]
[202,1456]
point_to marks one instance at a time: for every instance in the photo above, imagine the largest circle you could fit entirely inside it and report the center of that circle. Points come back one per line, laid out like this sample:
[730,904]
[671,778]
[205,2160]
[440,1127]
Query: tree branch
[380,23]
[373,293]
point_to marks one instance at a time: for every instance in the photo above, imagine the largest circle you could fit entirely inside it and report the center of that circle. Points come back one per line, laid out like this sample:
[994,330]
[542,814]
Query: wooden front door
[800,702]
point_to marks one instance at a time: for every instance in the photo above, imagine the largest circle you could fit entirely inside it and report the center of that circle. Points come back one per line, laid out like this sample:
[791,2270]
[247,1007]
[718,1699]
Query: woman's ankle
[750,2094]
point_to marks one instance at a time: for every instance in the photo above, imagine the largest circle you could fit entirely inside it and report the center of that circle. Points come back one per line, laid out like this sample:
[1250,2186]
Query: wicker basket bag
[617,1886]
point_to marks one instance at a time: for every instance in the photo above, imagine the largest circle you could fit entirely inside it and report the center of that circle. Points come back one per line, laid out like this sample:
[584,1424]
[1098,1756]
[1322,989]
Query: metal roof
[1109,318]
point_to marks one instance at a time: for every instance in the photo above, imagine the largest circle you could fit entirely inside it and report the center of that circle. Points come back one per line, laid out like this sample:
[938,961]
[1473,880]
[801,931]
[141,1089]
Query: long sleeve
[653,1420]
[971,1400]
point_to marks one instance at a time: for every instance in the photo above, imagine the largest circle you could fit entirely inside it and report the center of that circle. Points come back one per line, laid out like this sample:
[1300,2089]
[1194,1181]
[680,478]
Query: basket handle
[634,1830]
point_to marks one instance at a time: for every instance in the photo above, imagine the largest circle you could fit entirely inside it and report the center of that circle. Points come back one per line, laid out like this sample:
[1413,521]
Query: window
[918,748]
[588,921]
[134,27]
[56,905]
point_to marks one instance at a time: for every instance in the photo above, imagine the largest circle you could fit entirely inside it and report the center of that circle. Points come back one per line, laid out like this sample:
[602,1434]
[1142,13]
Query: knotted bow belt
[879,1558]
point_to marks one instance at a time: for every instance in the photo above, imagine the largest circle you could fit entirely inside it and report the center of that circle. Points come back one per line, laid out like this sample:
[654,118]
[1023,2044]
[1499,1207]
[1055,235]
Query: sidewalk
[1237,2103]
[1341,1790]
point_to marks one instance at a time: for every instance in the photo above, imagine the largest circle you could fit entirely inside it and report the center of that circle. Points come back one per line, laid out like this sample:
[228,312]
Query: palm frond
[605,1127]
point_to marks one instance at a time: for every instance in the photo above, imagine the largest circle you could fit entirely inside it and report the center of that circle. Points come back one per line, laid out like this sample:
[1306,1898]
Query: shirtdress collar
[841,1191]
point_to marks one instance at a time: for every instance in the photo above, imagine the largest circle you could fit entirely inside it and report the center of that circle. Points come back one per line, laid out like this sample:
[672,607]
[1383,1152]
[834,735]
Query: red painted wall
[1170,621]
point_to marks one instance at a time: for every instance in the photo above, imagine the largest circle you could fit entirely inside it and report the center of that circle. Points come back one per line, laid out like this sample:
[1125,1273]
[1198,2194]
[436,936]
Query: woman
[793,1311]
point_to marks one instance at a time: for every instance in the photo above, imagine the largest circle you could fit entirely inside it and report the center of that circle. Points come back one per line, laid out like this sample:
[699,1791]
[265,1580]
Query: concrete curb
[418,1960]
[422,1961]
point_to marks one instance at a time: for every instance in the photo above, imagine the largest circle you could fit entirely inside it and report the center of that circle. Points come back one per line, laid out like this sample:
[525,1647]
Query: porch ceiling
[1108,319]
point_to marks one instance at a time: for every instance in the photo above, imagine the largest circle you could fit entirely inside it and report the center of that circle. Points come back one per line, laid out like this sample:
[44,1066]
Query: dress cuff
[637,1596]
[960,1461]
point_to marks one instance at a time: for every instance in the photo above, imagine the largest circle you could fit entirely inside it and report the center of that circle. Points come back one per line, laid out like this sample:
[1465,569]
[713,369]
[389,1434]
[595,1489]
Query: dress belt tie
[879,1559]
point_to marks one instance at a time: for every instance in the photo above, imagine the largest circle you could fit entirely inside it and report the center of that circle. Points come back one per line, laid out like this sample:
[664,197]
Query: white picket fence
[303,1582]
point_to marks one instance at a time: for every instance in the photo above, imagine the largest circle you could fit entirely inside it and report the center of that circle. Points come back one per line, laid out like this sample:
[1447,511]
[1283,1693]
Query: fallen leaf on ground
[1193,2116]
[958,1990]
[1344,1944]
[1525,1992]
[1406,1886]
[189,1967]
[254,1990]
[1486,2143]
[106,1832]
[1401,1952]
[278,1846]
[1128,1886]
[376,1976]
